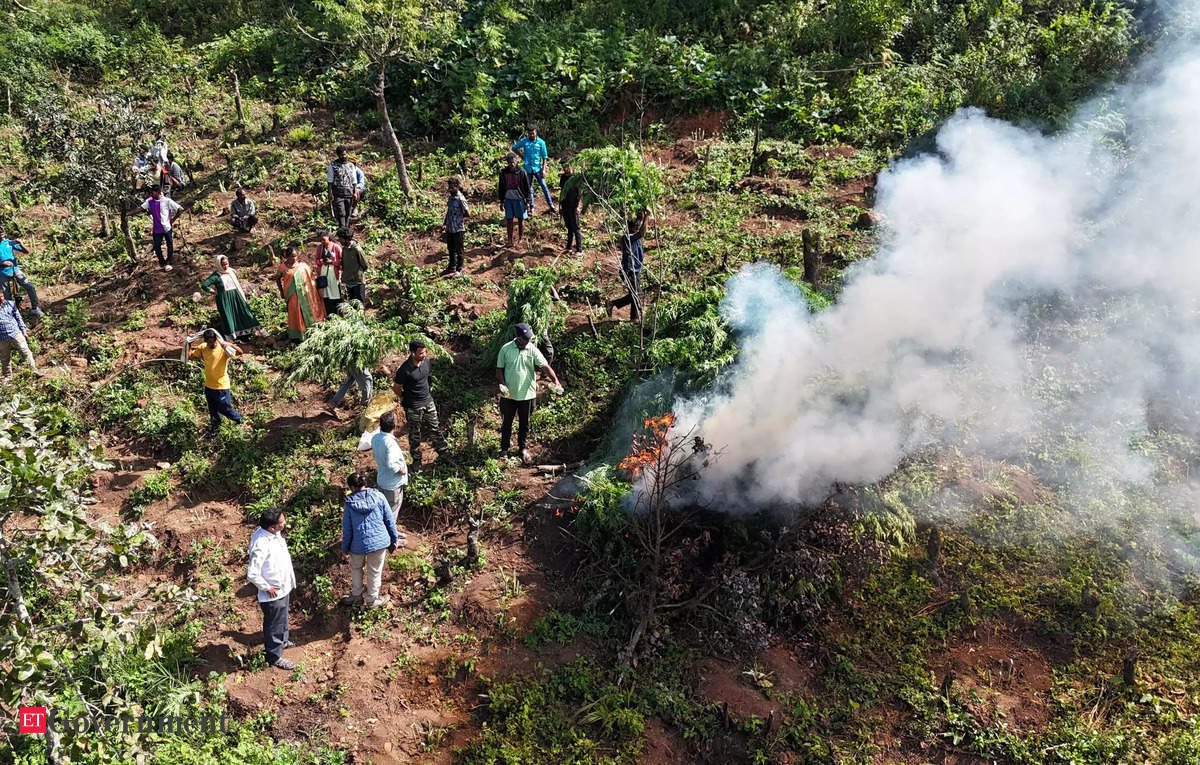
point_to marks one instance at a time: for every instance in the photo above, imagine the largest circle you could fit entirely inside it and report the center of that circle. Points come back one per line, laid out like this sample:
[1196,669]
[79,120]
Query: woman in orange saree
[298,287]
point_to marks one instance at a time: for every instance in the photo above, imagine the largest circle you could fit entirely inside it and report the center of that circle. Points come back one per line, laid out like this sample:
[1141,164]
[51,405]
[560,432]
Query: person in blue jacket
[368,535]
[533,152]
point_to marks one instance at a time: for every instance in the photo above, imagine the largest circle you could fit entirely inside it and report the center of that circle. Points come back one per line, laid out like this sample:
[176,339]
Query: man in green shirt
[517,366]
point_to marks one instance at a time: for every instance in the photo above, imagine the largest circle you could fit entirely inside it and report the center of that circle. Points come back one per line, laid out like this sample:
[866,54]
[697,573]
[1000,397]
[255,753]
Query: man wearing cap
[10,271]
[517,366]
[346,185]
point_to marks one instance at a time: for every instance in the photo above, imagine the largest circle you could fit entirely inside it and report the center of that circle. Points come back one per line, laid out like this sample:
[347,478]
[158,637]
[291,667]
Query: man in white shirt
[393,470]
[271,572]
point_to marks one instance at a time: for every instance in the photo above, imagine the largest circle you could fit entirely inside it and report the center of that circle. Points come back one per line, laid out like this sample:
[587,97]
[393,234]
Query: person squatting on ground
[346,186]
[354,267]
[569,197]
[393,471]
[231,301]
[163,212]
[368,535]
[10,271]
[13,332]
[411,385]
[243,214]
[271,572]
[216,353]
[632,255]
[533,152]
[513,192]
[454,227]
[517,366]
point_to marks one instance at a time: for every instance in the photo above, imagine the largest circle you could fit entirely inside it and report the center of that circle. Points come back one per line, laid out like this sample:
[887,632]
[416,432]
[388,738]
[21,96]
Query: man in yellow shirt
[216,354]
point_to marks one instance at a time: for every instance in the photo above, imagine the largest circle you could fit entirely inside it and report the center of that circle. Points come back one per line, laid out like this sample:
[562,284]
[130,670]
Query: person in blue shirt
[632,254]
[10,272]
[533,152]
[13,332]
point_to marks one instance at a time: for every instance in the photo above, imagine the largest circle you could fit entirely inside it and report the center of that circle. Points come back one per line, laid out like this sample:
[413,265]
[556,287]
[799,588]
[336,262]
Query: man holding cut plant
[517,366]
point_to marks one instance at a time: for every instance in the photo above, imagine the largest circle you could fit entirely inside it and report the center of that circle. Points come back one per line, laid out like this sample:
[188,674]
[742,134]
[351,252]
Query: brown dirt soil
[1008,673]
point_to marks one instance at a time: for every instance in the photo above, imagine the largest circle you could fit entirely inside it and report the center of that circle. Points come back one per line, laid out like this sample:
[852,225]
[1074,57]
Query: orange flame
[648,447]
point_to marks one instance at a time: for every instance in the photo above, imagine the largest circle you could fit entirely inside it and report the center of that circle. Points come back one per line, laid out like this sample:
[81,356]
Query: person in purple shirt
[163,212]
[13,332]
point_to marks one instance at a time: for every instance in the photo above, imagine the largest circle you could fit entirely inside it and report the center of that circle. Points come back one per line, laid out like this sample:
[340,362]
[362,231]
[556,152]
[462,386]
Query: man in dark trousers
[632,255]
[271,572]
[346,184]
[412,386]
[517,366]
[354,267]
[569,204]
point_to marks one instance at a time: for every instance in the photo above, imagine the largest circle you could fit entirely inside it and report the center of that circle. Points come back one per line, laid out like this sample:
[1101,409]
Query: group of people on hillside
[316,287]
[370,515]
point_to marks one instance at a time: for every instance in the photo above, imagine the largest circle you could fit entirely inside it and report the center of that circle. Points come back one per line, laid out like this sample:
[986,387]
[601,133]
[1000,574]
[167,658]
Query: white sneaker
[167,267]
[38,312]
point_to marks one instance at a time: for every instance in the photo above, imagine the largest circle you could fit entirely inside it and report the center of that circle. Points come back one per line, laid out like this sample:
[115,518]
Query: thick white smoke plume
[1034,296]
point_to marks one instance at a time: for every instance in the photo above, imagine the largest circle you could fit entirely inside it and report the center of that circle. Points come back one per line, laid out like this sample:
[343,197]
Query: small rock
[430,679]
[387,746]
[163,465]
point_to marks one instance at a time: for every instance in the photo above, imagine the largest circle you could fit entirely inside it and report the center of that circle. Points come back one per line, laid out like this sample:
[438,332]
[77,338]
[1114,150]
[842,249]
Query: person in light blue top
[393,470]
[10,271]
[533,151]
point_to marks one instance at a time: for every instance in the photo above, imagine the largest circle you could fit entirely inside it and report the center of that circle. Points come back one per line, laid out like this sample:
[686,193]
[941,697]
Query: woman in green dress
[231,301]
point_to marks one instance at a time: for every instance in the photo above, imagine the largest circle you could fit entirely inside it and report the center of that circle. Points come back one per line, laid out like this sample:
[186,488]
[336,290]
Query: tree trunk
[237,97]
[105,229]
[129,248]
[389,135]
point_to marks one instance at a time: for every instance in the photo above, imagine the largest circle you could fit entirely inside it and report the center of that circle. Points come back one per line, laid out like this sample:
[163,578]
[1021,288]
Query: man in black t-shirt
[412,386]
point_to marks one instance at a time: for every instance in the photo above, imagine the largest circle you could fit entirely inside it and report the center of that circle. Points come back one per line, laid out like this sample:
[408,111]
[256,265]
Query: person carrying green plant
[513,193]
[368,534]
[517,366]
[216,353]
[411,385]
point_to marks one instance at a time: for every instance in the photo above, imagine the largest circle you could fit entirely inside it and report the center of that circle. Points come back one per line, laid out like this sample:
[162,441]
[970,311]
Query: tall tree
[87,152]
[382,33]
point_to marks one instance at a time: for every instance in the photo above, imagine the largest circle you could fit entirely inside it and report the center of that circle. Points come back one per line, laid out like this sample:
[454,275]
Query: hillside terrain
[962,609]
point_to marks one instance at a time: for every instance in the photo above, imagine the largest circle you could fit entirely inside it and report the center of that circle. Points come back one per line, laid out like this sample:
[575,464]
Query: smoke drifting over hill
[1034,298]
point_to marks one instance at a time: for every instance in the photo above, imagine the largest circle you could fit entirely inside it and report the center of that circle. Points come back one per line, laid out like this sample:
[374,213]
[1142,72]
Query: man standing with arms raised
[271,572]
